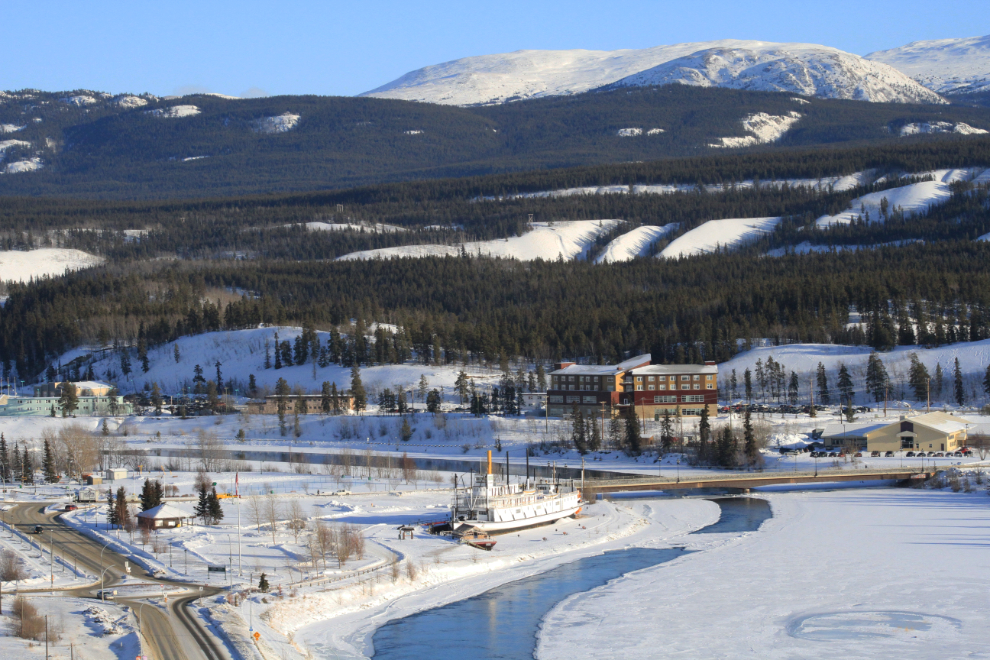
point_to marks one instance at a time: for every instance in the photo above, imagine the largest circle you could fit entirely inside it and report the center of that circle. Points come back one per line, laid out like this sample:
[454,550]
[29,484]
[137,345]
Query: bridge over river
[745,481]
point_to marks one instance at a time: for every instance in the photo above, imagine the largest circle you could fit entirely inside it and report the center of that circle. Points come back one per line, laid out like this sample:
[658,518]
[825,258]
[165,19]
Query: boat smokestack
[489,461]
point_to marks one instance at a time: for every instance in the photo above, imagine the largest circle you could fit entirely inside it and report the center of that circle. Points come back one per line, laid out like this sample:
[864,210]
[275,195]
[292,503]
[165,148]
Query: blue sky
[346,48]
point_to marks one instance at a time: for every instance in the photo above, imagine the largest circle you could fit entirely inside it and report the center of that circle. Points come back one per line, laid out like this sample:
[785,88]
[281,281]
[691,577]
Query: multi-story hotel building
[683,389]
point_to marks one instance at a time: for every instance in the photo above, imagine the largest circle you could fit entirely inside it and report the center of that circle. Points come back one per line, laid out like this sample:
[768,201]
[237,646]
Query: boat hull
[512,525]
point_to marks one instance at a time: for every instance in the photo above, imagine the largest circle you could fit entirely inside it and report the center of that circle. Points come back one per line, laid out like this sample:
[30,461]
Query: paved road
[175,635]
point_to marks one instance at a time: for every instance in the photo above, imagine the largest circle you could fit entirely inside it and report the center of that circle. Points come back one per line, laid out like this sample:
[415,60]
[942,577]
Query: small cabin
[163,516]
[116,474]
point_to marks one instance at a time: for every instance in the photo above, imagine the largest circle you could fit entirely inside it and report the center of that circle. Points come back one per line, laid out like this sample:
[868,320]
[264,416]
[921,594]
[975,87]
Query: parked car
[957,454]
[874,454]
[939,454]
[38,529]
[106,594]
[889,454]
[910,454]
[342,492]
[70,507]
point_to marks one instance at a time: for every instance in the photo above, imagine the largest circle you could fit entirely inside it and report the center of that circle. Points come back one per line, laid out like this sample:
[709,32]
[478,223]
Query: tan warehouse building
[930,432]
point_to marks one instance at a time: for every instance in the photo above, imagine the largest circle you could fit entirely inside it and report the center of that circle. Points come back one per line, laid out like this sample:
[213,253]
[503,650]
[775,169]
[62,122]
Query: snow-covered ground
[11,128]
[911,198]
[928,128]
[377,227]
[22,266]
[568,239]
[806,69]
[947,66]
[278,124]
[28,165]
[850,574]
[130,101]
[174,111]
[806,247]
[634,243]
[718,234]
[763,128]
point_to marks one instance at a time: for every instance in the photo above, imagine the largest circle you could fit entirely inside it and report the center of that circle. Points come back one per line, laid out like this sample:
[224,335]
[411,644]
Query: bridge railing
[749,476]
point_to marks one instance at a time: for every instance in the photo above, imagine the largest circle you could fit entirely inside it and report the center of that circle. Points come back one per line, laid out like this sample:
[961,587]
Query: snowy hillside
[947,66]
[548,241]
[763,128]
[756,65]
[332,226]
[20,266]
[174,111]
[716,234]
[805,69]
[279,124]
[241,353]
[930,128]
[634,243]
[912,198]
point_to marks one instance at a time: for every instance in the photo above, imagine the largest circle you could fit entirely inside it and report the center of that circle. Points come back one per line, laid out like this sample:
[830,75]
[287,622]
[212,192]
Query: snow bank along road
[167,641]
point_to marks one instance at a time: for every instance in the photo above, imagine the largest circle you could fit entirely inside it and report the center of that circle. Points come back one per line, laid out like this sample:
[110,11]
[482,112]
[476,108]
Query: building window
[639,379]
[673,378]
[697,386]
[556,399]
[708,377]
[590,399]
[663,386]
[665,399]
[685,386]
[573,399]
[650,378]
[652,387]
[710,386]
[693,398]
[639,387]
[685,378]
[691,412]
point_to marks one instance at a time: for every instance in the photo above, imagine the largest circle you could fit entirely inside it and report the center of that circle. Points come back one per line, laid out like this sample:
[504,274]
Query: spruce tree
[48,464]
[335,398]
[263,584]
[633,438]
[616,437]
[357,389]
[595,438]
[123,514]
[578,431]
[326,398]
[938,382]
[918,378]
[748,384]
[156,398]
[111,509]
[214,509]
[406,431]
[17,470]
[281,402]
[792,389]
[202,508]
[105,428]
[278,354]
[704,438]
[749,440]
[876,377]
[824,397]
[177,355]
[5,467]
[845,384]
[958,390]
[69,399]
[986,388]
[27,467]
[667,431]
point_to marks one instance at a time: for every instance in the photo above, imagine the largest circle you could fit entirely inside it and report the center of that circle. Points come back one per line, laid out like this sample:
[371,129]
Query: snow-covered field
[548,241]
[174,111]
[911,198]
[718,234]
[22,266]
[850,574]
[634,243]
[806,69]
[377,227]
[278,124]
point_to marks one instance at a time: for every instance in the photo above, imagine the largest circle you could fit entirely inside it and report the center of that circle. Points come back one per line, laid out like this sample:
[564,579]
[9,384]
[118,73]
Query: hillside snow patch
[20,166]
[716,234]
[413,132]
[378,227]
[929,128]
[174,111]
[22,266]
[634,243]
[7,144]
[80,100]
[655,131]
[630,132]
[548,241]
[10,128]
[129,101]
[912,198]
[765,128]
[282,123]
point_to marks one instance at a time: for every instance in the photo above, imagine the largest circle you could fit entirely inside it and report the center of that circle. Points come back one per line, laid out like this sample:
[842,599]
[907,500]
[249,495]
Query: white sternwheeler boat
[495,507]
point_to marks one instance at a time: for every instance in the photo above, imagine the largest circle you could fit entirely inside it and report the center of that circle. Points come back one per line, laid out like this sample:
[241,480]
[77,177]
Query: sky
[250,48]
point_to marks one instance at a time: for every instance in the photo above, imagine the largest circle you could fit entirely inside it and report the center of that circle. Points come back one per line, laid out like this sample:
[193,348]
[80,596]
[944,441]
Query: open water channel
[503,622]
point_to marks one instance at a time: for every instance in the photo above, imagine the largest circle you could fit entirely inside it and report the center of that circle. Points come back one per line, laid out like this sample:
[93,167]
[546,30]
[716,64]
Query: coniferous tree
[125,361]
[122,513]
[578,431]
[357,389]
[105,428]
[986,388]
[667,432]
[938,382]
[142,352]
[17,469]
[219,376]
[541,378]
[176,354]
[876,377]
[263,584]
[212,398]
[461,385]
[252,385]
[633,438]
[406,431]
[845,384]
[704,438]
[335,399]
[918,378]
[48,464]
[69,399]
[111,509]
[792,389]
[278,353]
[214,509]
[202,508]
[749,442]
[281,402]
[156,398]
[27,467]
[595,437]
[824,397]
[958,391]
[5,467]
[748,384]
[616,432]
[326,398]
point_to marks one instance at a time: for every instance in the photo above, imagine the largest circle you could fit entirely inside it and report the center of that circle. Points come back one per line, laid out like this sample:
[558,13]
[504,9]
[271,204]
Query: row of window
[684,386]
[672,379]
[687,398]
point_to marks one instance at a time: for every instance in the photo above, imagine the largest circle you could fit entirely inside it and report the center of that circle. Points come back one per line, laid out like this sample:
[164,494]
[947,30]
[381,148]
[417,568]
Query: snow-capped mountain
[947,66]
[795,68]
[755,65]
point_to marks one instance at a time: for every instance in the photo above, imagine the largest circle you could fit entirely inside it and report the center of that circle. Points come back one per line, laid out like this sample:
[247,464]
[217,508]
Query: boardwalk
[736,480]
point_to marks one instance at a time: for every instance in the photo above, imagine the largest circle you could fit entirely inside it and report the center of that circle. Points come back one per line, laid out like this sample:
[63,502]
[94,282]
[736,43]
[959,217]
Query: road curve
[178,637]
